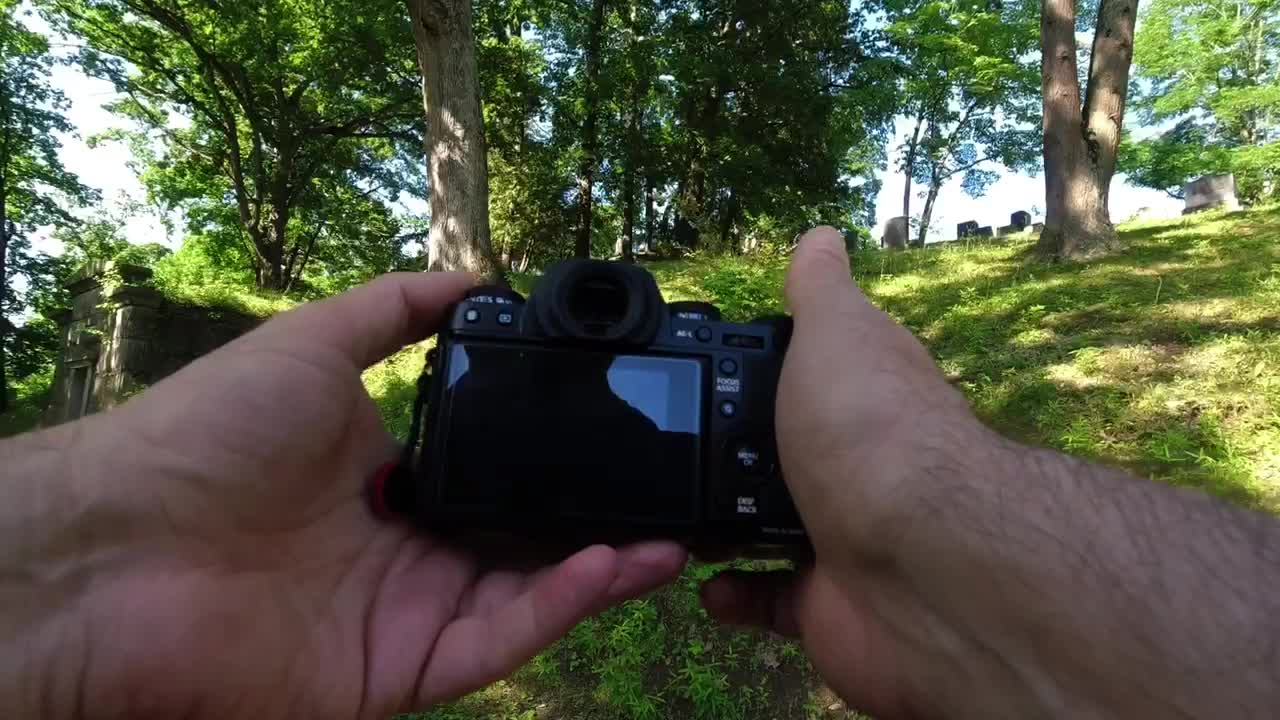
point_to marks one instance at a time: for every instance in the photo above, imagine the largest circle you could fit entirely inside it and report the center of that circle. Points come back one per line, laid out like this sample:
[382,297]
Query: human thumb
[832,317]
[818,284]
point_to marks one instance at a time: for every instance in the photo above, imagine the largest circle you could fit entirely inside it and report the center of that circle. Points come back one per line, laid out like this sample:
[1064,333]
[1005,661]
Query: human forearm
[1102,594]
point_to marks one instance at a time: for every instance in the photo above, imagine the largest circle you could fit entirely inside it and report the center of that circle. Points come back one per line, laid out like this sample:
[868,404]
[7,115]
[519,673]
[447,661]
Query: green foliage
[702,681]
[27,398]
[1170,160]
[1215,66]
[971,82]
[529,177]
[194,276]
[621,648]
[35,189]
[748,122]
[281,130]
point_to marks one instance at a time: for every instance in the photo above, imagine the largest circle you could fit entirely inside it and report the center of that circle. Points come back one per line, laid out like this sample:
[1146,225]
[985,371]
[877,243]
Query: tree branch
[311,243]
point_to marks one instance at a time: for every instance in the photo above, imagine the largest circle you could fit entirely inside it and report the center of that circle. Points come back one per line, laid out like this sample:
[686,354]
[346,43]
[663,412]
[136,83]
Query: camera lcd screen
[573,434]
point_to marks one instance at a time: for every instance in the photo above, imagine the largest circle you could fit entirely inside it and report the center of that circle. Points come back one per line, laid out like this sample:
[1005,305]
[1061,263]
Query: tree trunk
[927,216]
[1080,143]
[457,161]
[909,165]
[4,293]
[587,171]
[627,243]
[4,247]
[272,276]
[727,217]
[650,213]
[631,158]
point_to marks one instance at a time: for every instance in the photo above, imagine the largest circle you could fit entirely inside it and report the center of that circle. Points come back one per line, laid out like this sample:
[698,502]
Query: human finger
[818,282]
[642,568]
[370,322]
[756,599]
[476,650]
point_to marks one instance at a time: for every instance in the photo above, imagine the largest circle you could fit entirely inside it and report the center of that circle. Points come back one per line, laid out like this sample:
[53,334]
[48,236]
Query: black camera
[597,412]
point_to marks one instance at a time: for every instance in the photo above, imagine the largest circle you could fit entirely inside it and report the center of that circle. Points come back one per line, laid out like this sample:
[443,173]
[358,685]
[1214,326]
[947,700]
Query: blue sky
[105,168]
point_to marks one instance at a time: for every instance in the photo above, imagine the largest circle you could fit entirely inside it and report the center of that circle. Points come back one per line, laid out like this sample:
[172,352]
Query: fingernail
[823,235]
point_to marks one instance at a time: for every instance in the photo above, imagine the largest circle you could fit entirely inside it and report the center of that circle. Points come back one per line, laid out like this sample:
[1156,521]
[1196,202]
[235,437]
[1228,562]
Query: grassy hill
[1164,359]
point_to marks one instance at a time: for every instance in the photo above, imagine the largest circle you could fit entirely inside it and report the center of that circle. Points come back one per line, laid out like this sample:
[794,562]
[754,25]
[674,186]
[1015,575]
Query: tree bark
[909,165]
[587,170]
[626,243]
[650,213]
[457,159]
[631,154]
[5,157]
[4,293]
[1080,142]
[927,216]
[727,218]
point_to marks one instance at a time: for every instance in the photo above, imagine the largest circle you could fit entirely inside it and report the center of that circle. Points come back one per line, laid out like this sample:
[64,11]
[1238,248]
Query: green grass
[223,295]
[1163,359]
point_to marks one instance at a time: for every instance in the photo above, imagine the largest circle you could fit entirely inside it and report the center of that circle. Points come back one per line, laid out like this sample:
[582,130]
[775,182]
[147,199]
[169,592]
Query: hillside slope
[1164,359]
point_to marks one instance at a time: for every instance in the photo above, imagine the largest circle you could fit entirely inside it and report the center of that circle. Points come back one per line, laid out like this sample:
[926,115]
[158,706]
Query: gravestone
[1006,230]
[984,231]
[1020,219]
[117,340]
[1037,228]
[895,233]
[965,229]
[1209,192]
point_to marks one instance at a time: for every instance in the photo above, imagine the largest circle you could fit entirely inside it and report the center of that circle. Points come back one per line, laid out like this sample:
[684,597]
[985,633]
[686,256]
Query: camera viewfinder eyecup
[595,301]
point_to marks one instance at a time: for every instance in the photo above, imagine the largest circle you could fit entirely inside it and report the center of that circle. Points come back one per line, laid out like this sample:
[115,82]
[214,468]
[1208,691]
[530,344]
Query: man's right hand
[959,574]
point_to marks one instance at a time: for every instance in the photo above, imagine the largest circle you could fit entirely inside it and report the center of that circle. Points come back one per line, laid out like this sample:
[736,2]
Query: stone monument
[984,231]
[120,337]
[1210,192]
[895,233]
[965,229]
[1020,220]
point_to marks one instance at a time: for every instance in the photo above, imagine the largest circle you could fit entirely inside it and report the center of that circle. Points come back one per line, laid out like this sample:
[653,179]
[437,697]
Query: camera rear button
[505,318]
[471,315]
[729,408]
[703,334]
[728,366]
[748,458]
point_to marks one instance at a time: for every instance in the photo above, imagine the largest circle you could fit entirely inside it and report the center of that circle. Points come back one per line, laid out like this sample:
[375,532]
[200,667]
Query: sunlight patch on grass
[1033,337]
[1068,375]
[393,385]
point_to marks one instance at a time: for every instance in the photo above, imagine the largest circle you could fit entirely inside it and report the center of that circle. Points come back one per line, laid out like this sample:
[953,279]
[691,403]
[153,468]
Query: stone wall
[118,340]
